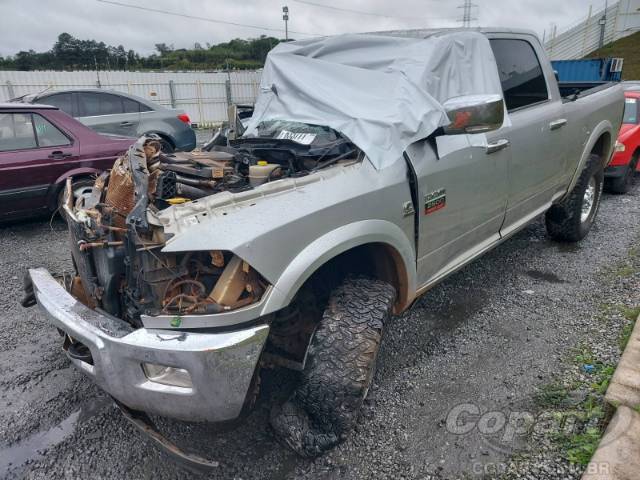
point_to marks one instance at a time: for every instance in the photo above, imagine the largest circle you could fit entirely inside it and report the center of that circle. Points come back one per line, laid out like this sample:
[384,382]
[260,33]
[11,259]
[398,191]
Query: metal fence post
[227,87]
[10,90]
[199,93]
[172,93]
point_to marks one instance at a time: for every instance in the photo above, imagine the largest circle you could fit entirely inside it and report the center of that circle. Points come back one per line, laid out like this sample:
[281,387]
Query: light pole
[285,17]
[603,25]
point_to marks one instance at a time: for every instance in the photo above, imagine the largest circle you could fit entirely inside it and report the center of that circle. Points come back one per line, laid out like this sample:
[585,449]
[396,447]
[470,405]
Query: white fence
[204,96]
[622,19]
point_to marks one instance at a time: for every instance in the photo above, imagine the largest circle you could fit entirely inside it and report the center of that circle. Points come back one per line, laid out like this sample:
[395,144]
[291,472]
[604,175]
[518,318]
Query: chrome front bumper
[221,365]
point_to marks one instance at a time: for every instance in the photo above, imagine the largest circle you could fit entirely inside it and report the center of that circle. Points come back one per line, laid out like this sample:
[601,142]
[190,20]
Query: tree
[68,53]
[163,48]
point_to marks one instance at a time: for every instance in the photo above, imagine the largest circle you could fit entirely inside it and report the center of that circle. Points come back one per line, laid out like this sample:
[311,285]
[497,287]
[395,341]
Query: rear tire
[623,184]
[76,188]
[339,368]
[571,220]
[166,146]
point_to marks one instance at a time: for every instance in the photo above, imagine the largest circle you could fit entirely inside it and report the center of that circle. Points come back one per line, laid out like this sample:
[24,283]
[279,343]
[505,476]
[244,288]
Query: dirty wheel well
[603,146]
[374,260]
[293,326]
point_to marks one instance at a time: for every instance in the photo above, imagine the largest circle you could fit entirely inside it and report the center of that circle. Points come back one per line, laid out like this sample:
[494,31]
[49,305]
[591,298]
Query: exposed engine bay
[116,243]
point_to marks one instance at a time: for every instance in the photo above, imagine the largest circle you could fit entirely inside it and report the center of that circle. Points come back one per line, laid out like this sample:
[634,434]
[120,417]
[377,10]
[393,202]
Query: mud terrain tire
[565,221]
[339,368]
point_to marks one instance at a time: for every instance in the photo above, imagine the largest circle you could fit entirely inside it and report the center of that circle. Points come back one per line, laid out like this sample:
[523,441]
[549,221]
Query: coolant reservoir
[259,173]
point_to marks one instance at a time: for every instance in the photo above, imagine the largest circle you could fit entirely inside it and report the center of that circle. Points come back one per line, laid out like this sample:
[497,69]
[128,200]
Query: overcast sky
[35,24]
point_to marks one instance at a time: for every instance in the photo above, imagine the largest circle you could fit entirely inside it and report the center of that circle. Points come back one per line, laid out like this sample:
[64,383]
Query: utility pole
[603,24]
[467,9]
[285,17]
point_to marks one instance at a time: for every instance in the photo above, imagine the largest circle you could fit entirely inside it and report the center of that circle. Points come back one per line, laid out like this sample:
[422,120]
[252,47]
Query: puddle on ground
[545,276]
[31,448]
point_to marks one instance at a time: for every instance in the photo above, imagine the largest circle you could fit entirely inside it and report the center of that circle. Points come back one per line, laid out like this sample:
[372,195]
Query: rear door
[64,101]
[34,153]
[537,134]
[108,113]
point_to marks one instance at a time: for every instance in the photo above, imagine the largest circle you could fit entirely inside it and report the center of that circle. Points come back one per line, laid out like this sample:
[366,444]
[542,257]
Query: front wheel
[339,368]
[571,220]
[624,183]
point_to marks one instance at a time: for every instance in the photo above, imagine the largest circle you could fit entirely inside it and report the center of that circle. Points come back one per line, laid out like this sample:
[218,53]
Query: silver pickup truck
[374,167]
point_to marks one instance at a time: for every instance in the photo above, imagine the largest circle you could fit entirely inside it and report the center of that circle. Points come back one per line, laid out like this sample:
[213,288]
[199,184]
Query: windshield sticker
[302,138]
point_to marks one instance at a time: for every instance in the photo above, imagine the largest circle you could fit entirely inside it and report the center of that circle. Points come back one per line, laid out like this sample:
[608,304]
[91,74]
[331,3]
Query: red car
[40,146]
[624,164]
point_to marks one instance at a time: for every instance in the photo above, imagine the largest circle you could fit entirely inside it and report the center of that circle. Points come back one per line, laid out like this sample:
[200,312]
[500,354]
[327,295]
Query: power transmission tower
[467,13]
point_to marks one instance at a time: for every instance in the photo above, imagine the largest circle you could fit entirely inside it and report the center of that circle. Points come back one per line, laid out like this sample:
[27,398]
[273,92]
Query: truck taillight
[183,117]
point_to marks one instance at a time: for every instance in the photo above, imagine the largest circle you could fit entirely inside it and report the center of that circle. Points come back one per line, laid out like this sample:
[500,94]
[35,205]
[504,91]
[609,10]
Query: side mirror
[474,114]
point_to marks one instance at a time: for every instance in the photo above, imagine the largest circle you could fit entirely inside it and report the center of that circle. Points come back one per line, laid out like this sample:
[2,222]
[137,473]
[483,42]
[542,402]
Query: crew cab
[619,175]
[40,147]
[373,167]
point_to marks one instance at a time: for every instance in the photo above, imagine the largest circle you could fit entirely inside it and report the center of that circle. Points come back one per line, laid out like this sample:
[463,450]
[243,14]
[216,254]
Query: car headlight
[620,147]
[165,375]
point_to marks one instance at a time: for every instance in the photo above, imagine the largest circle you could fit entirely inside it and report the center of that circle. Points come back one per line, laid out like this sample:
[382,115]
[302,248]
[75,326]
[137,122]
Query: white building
[618,19]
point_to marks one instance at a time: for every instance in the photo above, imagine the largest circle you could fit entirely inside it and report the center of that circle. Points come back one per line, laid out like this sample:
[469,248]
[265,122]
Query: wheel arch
[601,142]
[163,135]
[55,187]
[380,249]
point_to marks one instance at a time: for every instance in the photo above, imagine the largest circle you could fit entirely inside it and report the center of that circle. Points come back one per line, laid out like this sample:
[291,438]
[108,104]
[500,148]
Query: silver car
[108,111]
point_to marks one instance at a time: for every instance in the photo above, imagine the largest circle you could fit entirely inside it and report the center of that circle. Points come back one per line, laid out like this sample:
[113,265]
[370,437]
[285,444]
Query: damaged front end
[176,333]
[116,240]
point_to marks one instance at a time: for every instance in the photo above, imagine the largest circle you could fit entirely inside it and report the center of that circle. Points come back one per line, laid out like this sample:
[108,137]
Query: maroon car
[40,146]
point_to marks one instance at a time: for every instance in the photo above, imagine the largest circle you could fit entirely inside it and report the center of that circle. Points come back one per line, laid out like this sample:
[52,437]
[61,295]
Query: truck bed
[571,91]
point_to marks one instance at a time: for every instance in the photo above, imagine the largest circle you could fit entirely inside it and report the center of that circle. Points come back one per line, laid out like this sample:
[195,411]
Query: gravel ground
[486,338]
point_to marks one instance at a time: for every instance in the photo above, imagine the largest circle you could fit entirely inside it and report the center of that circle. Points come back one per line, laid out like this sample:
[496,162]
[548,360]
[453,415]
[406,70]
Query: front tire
[571,220]
[339,368]
[623,184]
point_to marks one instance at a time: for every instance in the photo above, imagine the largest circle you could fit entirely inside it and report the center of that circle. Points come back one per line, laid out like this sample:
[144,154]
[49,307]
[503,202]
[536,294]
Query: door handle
[59,155]
[125,124]
[556,124]
[497,146]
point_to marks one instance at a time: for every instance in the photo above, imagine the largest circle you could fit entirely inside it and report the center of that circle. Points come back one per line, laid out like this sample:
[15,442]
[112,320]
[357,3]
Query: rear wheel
[571,220]
[166,146]
[339,369]
[624,183]
[78,187]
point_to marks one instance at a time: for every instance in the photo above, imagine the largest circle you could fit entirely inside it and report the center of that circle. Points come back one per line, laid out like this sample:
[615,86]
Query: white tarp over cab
[382,92]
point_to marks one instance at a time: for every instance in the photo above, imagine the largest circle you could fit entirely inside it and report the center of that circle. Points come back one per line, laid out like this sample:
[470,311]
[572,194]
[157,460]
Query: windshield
[302,133]
[630,111]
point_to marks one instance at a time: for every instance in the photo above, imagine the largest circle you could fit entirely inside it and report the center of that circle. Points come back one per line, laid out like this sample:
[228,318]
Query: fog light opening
[165,375]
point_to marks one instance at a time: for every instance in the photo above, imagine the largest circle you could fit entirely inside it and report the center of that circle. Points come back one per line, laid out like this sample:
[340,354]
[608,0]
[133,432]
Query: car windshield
[302,133]
[630,111]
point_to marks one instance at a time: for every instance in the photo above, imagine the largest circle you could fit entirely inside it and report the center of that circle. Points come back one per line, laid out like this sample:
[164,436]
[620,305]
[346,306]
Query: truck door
[537,132]
[462,196]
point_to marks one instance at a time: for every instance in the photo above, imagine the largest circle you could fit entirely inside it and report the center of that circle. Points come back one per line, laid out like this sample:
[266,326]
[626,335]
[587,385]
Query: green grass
[589,414]
[626,48]
[580,448]
[552,395]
